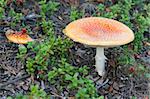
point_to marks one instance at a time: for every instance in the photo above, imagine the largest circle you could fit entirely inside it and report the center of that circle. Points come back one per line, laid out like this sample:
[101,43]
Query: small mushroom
[18,37]
[100,33]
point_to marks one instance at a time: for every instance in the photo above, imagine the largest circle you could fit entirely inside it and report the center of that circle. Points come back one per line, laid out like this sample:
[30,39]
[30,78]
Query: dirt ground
[117,82]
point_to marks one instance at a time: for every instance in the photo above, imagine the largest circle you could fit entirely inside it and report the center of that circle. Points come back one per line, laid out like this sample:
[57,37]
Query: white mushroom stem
[100,61]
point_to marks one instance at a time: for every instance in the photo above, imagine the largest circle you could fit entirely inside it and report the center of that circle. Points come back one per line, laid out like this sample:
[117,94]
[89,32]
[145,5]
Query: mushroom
[18,37]
[100,33]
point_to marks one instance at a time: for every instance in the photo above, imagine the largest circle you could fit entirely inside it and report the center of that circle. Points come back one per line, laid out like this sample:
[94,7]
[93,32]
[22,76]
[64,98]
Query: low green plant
[137,21]
[126,58]
[2,10]
[50,52]
[22,52]
[75,14]
[35,93]
[50,49]
[16,17]
[64,70]
[3,3]
[48,8]
[147,8]
[87,90]
[47,27]
[1,13]
[47,52]
[72,77]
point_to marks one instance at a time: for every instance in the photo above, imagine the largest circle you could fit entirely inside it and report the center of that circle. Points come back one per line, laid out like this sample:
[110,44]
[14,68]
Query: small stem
[100,61]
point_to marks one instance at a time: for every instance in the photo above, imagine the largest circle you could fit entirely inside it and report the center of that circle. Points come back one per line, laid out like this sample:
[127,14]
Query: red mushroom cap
[18,37]
[98,31]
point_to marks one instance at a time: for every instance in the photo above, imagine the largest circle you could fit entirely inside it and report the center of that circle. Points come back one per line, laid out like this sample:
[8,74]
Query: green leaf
[68,77]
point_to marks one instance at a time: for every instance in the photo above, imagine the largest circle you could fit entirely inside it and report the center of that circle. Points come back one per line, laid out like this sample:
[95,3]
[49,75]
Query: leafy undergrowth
[134,14]
[47,59]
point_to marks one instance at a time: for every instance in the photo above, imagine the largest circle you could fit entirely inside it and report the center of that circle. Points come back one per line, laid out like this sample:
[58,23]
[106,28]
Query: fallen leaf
[19,2]
[146,43]
[107,9]
[71,97]
[25,11]
[25,87]
[60,17]
[110,89]
[136,56]
[9,2]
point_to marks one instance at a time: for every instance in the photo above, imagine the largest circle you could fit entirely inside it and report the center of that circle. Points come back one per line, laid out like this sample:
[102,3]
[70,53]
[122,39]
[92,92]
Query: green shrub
[126,12]
[35,93]
[75,14]
[2,10]
[68,77]
[48,8]
[49,54]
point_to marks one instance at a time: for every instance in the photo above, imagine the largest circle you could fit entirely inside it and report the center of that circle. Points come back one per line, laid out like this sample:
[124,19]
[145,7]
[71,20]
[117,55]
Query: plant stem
[100,61]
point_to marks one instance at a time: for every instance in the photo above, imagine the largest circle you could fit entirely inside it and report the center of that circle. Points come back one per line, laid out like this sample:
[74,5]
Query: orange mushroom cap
[98,31]
[18,37]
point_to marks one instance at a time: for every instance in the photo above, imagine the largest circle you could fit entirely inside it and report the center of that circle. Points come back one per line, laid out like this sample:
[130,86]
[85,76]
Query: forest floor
[68,68]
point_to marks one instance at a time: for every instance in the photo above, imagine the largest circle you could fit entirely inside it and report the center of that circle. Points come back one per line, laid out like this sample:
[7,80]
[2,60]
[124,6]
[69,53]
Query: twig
[56,95]
[131,87]
[103,84]
[13,81]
